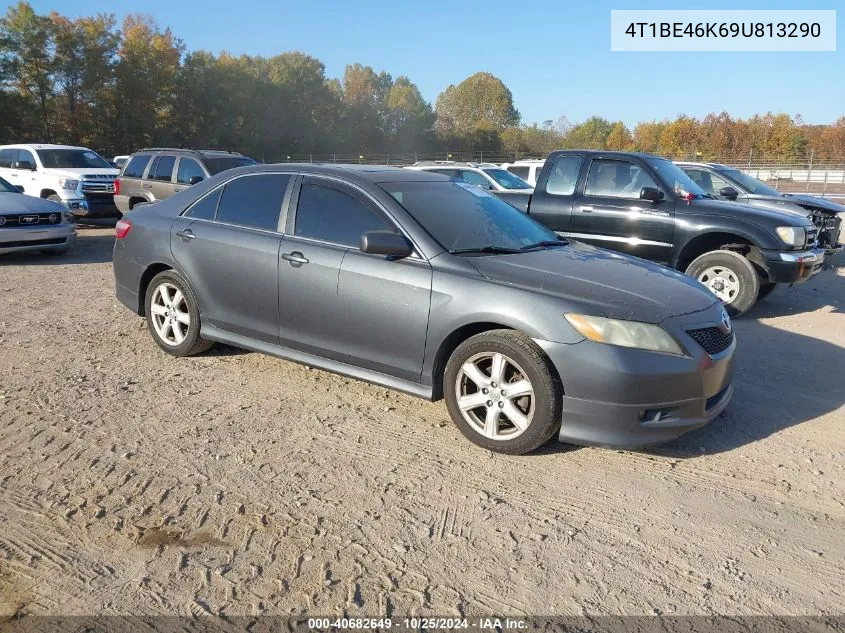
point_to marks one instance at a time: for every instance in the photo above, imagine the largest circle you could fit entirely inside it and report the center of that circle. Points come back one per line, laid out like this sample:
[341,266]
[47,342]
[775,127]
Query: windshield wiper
[501,250]
[545,243]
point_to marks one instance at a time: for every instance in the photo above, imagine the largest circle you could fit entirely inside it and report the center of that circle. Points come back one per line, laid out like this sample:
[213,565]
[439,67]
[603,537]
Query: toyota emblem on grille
[29,219]
[725,326]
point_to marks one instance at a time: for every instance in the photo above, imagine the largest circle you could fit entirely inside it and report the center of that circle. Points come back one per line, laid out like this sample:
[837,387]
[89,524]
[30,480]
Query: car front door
[187,173]
[339,303]
[610,212]
[24,172]
[7,160]
[227,244]
[474,178]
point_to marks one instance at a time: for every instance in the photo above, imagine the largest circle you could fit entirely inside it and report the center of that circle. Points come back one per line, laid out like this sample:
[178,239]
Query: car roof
[188,150]
[692,164]
[43,146]
[361,174]
[602,152]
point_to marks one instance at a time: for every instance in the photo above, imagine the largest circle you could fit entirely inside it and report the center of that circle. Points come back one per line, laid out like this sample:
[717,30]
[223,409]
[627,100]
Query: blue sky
[554,56]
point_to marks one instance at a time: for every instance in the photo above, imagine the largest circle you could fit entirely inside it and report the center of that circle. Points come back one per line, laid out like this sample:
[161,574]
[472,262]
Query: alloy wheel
[495,396]
[170,316]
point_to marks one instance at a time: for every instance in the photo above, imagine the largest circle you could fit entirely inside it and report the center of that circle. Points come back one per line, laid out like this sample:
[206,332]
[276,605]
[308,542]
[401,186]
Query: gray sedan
[434,287]
[33,224]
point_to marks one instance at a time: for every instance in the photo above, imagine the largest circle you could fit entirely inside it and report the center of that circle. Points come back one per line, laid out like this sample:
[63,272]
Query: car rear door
[227,244]
[342,304]
[610,213]
[160,177]
[552,200]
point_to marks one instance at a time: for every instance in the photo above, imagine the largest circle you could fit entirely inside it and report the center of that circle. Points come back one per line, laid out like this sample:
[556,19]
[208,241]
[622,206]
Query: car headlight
[792,235]
[68,183]
[625,333]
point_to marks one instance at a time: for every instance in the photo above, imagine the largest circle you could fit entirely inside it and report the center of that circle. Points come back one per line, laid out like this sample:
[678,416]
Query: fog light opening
[656,416]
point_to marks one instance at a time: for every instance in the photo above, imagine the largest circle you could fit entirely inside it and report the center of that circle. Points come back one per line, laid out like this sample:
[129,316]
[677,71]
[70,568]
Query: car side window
[253,201]
[701,178]
[718,184]
[520,171]
[327,214]
[188,168]
[474,178]
[206,207]
[616,179]
[7,157]
[135,167]
[25,156]
[163,168]
[564,176]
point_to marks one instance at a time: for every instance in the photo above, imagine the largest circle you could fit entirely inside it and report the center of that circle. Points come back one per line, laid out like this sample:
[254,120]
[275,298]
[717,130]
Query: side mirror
[194,180]
[386,243]
[24,164]
[729,192]
[652,194]
[19,188]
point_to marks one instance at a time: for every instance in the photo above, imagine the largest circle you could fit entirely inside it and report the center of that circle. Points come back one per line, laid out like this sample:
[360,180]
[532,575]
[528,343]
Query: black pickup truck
[647,206]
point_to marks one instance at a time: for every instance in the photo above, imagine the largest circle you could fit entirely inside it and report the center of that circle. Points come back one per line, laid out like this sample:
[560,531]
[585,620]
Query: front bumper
[628,398]
[792,267]
[57,237]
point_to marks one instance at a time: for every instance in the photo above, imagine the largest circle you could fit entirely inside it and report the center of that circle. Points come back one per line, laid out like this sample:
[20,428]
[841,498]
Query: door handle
[586,209]
[187,234]
[295,258]
[147,185]
[178,189]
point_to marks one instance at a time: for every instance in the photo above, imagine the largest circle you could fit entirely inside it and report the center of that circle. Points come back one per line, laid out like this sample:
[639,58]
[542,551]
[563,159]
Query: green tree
[591,134]
[409,118]
[475,111]
[619,137]
[646,136]
[28,54]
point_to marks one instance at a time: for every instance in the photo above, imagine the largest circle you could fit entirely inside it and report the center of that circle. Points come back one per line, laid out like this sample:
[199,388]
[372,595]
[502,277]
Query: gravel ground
[136,483]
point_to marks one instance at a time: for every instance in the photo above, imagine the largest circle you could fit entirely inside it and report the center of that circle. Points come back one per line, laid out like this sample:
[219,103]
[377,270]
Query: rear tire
[502,392]
[173,315]
[730,276]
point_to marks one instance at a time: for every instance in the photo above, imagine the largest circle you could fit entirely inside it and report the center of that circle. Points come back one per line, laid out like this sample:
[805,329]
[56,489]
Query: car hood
[778,215]
[821,203]
[600,282]
[13,203]
[71,172]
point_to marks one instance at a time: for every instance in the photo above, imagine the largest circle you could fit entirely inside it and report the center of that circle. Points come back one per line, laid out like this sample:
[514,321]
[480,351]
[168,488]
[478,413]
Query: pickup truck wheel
[766,288]
[730,277]
[502,393]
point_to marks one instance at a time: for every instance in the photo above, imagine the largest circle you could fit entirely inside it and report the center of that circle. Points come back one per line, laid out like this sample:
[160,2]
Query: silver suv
[485,175]
[156,173]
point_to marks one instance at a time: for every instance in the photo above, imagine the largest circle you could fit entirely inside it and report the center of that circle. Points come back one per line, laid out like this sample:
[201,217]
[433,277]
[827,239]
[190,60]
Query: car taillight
[116,186]
[121,229]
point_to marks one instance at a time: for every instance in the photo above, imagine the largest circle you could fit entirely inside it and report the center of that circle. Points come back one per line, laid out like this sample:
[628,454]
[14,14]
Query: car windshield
[6,187]
[464,218]
[73,158]
[676,178]
[751,184]
[222,163]
[506,179]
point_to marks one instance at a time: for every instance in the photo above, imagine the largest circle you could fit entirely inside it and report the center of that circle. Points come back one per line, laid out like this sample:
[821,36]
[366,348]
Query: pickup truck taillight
[121,229]
[116,186]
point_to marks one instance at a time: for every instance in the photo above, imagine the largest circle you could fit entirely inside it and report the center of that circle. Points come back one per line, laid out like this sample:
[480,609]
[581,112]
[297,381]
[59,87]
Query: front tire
[173,315]
[502,392]
[730,276]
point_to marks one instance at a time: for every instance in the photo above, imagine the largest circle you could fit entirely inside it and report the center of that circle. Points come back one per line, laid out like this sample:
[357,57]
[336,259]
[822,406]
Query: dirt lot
[133,482]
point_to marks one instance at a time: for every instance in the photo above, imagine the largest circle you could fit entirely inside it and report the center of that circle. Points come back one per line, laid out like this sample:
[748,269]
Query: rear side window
[564,176]
[329,215]
[205,207]
[135,167]
[7,156]
[253,201]
[163,168]
[188,168]
[522,172]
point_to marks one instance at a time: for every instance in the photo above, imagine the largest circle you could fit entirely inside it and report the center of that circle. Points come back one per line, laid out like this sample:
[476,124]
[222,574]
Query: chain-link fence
[818,177]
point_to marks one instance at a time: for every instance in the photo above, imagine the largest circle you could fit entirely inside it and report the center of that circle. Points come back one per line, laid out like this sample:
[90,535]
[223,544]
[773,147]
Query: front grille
[27,220]
[102,186]
[711,339]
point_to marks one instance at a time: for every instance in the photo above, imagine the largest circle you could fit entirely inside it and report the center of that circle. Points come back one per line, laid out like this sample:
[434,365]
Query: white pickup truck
[76,177]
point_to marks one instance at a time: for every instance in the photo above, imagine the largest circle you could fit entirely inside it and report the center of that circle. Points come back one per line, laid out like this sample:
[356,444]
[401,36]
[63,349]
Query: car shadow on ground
[89,249]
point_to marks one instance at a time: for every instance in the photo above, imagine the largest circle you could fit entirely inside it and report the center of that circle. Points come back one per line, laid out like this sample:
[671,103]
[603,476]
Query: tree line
[116,88]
